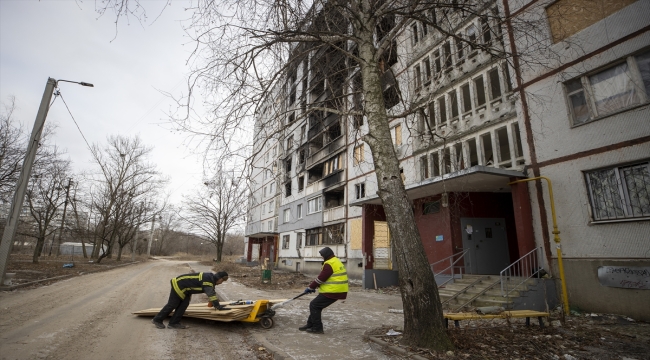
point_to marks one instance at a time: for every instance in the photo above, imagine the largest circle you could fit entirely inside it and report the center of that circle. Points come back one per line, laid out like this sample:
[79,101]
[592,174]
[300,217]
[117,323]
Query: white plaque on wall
[627,277]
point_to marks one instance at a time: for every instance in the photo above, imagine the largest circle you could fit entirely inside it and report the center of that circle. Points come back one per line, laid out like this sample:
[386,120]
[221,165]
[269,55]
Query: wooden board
[202,311]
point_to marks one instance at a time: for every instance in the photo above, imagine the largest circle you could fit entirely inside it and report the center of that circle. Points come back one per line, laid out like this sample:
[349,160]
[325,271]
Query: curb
[18,286]
[395,349]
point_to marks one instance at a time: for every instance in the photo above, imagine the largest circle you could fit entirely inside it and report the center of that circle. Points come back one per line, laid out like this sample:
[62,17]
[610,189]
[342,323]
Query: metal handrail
[525,267]
[452,262]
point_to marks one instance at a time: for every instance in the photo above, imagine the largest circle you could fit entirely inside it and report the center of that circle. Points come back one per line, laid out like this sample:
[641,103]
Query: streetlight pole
[25,173]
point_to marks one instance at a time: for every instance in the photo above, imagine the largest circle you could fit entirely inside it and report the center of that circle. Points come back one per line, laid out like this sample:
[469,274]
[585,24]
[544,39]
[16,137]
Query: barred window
[334,234]
[620,192]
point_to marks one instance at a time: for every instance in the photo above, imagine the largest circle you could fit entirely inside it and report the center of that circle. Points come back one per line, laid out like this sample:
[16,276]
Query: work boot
[315,331]
[158,324]
[176,326]
[305,327]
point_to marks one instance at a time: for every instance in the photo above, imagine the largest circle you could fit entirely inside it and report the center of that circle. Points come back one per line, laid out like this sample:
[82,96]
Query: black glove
[310,290]
[215,304]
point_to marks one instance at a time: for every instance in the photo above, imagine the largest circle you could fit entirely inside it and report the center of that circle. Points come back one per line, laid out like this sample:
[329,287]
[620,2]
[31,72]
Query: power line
[75,122]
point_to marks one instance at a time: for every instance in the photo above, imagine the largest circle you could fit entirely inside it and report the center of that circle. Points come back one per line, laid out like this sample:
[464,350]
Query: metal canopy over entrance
[475,179]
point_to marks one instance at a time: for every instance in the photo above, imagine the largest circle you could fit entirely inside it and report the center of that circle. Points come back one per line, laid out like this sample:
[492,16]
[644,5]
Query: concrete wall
[587,294]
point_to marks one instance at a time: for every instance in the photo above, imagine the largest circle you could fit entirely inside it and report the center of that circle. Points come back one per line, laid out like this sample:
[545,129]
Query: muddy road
[89,317]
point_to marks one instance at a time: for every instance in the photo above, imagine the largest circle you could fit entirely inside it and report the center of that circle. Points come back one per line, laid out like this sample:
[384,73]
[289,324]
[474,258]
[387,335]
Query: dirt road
[89,317]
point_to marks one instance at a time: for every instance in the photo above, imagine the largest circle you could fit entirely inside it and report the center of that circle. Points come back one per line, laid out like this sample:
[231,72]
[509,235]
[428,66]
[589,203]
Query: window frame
[622,190]
[286,240]
[641,95]
[318,201]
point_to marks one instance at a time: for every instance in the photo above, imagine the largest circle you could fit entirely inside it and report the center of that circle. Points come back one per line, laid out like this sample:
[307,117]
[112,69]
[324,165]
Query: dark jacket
[195,284]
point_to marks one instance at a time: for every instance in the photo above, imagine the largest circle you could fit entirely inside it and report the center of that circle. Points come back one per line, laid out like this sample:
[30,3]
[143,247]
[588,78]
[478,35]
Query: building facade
[494,105]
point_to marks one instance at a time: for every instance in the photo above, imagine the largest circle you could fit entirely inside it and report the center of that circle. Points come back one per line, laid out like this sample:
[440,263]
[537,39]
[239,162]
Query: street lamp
[23,179]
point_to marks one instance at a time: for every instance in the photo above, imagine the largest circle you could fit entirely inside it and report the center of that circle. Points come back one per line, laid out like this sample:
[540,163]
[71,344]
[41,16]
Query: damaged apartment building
[493,106]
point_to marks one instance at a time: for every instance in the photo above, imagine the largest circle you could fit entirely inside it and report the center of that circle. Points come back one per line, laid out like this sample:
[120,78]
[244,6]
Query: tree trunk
[38,249]
[119,253]
[423,318]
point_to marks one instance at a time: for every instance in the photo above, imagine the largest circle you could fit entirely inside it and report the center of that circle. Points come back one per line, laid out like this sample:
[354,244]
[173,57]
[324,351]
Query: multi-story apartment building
[570,104]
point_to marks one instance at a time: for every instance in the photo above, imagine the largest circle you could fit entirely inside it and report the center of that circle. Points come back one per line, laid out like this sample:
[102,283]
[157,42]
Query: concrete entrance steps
[480,290]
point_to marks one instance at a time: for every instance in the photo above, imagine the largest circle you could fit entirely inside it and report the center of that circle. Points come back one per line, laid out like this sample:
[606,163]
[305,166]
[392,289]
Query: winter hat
[326,253]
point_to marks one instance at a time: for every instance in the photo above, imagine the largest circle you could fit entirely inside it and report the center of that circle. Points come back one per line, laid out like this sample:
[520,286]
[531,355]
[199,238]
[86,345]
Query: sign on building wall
[626,277]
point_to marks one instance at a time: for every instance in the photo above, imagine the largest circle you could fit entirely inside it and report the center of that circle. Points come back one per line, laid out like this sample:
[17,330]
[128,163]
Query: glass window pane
[637,181]
[573,85]
[605,195]
[579,107]
[643,62]
[613,89]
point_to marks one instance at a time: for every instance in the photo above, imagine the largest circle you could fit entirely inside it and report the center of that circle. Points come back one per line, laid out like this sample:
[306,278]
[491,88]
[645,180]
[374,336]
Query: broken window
[424,167]
[467,101]
[488,156]
[435,164]
[504,147]
[495,86]
[473,154]
[480,91]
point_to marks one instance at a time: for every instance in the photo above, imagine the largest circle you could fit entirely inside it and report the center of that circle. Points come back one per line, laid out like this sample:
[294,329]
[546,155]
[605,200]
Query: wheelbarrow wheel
[266,323]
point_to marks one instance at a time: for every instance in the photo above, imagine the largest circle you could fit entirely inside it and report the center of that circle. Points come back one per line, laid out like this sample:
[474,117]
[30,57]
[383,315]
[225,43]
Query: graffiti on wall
[627,277]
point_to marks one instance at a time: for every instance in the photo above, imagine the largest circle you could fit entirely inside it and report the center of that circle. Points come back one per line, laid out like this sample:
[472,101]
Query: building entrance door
[487,243]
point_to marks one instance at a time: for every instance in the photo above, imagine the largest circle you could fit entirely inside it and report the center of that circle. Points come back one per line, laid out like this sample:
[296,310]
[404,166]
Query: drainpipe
[556,238]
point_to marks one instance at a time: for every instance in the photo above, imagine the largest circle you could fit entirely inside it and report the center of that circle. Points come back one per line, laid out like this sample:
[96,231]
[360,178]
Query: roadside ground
[350,324]
[354,328]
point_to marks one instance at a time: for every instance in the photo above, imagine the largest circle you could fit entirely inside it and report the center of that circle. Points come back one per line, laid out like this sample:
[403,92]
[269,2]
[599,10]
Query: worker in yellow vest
[332,283]
[182,288]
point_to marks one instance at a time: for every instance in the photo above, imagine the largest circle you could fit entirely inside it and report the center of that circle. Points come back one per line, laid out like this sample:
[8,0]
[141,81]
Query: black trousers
[175,304]
[316,306]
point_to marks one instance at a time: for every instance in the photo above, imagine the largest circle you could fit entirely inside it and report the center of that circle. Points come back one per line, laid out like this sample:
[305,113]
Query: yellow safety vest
[338,282]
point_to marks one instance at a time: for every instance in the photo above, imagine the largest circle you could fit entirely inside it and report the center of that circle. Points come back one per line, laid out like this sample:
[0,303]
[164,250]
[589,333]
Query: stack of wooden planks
[202,311]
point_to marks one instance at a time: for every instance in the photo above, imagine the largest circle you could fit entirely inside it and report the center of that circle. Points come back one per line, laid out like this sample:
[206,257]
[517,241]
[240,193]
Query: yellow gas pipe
[556,238]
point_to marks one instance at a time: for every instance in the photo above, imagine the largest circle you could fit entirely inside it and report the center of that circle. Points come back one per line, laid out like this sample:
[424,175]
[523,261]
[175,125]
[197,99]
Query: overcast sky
[68,40]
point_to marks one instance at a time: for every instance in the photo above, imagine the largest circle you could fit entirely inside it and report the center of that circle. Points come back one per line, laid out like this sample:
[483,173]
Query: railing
[452,266]
[326,150]
[313,187]
[333,179]
[333,214]
[520,271]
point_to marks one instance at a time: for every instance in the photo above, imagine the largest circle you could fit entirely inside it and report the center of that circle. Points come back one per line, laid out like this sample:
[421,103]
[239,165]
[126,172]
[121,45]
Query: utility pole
[65,207]
[153,222]
[23,179]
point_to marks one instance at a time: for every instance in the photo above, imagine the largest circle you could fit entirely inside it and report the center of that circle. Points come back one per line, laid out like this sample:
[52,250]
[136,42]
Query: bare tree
[125,180]
[214,211]
[234,244]
[46,196]
[12,151]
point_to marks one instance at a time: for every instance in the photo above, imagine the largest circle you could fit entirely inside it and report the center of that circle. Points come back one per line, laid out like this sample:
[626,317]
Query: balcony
[325,151]
[334,214]
[314,188]
[333,179]
[253,228]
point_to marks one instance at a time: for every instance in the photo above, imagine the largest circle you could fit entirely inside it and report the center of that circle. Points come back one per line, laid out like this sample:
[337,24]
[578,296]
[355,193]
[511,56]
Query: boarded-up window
[358,154]
[355,234]
[568,17]
[381,246]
